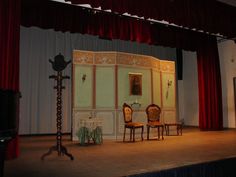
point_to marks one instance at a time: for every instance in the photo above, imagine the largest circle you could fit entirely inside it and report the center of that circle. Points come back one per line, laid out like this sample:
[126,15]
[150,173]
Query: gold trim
[167,66]
[136,73]
[115,58]
[83,57]
[105,58]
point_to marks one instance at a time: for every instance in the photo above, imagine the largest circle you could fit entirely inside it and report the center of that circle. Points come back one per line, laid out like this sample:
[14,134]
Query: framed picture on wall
[135,83]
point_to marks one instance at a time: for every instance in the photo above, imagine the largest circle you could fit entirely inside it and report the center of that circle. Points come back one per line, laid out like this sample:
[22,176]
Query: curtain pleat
[64,17]
[210,15]
[9,55]
[209,81]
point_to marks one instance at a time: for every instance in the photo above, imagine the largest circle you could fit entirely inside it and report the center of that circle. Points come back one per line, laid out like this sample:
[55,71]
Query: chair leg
[124,134]
[158,131]
[162,132]
[179,129]
[134,135]
[148,128]
[130,136]
[166,129]
[142,134]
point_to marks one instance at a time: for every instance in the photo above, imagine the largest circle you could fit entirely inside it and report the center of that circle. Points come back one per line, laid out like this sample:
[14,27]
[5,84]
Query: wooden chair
[153,116]
[128,112]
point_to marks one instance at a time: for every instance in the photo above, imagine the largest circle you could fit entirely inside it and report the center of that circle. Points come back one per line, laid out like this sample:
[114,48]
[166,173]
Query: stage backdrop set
[103,81]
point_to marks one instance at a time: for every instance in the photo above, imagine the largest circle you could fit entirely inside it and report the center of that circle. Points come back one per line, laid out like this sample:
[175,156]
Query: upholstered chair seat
[153,112]
[128,123]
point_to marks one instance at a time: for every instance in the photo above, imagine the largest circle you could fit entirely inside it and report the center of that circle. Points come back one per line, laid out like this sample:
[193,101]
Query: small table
[178,125]
[90,129]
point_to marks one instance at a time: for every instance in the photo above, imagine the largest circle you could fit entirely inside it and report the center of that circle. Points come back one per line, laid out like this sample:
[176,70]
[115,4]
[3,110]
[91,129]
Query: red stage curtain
[209,83]
[9,54]
[207,15]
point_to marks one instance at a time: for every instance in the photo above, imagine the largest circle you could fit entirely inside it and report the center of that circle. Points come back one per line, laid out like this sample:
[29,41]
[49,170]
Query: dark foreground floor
[115,158]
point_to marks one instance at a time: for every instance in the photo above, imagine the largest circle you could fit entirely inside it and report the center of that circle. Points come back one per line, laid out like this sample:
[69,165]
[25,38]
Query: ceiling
[229,2]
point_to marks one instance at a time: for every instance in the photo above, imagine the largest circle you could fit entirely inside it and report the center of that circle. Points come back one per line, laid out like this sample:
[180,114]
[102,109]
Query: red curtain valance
[64,17]
[207,15]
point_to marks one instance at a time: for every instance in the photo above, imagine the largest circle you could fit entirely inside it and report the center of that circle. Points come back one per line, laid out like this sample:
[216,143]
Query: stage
[114,158]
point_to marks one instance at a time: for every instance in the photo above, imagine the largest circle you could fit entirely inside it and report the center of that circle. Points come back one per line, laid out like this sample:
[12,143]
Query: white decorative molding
[120,122]
[77,115]
[108,122]
[112,117]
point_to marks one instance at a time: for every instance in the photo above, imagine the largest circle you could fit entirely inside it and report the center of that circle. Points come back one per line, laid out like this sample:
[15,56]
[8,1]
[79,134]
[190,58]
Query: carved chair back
[153,112]
[127,112]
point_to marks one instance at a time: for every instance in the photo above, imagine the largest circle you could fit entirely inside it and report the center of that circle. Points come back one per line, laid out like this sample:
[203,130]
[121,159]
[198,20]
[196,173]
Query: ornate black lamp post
[59,64]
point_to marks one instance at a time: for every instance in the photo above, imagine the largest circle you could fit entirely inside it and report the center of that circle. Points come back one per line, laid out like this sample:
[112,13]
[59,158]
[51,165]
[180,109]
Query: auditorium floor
[115,158]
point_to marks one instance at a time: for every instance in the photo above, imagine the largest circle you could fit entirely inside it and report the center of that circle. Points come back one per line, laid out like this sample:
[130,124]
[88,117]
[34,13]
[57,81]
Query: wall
[188,89]
[227,54]
[108,86]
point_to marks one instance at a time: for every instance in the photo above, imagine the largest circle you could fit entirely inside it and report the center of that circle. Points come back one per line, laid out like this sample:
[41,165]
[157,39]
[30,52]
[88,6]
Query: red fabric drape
[209,82]
[207,15]
[9,54]
[64,17]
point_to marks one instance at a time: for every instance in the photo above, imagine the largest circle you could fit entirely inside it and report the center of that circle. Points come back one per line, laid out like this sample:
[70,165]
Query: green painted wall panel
[105,87]
[123,86]
[156,88]
[168,92]
[83,89]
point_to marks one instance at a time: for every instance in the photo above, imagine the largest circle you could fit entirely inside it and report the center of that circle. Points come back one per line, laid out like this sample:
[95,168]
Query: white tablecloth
[90,129]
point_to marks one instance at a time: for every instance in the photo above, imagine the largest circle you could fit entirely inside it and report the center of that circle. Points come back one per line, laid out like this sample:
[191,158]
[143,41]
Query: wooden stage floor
[115,158]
